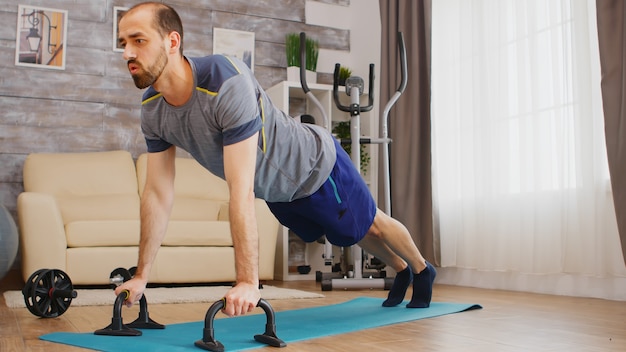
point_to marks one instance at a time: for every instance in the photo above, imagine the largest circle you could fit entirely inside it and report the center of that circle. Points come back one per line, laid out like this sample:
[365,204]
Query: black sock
[398,289]
[423,287]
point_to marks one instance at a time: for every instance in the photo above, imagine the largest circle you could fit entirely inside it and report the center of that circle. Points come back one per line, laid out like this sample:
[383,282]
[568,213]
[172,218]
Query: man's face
[144,48]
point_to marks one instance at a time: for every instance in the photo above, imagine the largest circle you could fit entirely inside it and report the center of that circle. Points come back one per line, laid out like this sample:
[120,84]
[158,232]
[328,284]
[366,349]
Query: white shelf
[283,91]
[313,252]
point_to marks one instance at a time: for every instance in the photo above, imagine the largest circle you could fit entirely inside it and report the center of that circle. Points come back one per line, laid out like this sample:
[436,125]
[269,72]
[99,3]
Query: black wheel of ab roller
[48,293]
[27,291]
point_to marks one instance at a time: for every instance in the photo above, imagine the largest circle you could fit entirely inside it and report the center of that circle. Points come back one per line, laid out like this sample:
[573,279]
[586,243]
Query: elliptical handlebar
[385,121]
[403,64]
[305,86]
[303,83]
[403,82]
[336,88]
[370,100]
[348,108]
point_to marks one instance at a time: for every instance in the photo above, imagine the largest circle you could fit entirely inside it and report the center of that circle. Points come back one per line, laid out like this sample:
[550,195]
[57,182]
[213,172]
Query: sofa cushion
[99,207]
[192,180]
[80,174]
[86,186]
[198,233]
[120,233]
[195,209]
[98,233]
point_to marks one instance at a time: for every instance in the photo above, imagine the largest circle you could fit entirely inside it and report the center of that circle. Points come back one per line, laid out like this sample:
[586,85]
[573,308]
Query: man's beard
[151,74]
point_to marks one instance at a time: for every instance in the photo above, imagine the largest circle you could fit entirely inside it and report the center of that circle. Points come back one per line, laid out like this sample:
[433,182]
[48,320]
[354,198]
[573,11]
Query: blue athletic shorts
[342,209]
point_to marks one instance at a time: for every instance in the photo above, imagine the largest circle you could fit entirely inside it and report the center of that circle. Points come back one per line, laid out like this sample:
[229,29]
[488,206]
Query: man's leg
[404,274]
[390,241]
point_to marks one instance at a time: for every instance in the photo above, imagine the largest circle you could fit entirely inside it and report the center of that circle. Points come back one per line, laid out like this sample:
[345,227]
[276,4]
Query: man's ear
[174,42]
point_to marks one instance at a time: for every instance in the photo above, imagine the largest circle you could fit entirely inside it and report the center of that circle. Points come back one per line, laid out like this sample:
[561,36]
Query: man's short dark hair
[166,19]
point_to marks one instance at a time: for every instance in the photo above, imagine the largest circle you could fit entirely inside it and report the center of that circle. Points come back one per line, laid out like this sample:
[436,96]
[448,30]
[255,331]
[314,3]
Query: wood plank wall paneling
[93,105]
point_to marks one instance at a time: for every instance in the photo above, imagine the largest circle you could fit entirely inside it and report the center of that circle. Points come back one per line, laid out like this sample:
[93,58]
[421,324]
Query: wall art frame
[41,37]
[239,44]
[117,12]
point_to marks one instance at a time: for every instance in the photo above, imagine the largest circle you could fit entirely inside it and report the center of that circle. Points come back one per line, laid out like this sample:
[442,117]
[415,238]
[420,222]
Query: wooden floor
[509,321]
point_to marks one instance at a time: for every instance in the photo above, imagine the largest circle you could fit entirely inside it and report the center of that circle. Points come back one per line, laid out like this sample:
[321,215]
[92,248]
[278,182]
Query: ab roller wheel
[48,293]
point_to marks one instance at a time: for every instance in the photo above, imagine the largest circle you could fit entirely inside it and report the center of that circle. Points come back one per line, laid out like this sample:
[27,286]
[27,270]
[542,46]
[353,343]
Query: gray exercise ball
[8,241]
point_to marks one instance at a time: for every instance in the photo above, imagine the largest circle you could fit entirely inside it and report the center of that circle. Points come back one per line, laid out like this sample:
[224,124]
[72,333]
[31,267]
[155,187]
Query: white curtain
[521,186]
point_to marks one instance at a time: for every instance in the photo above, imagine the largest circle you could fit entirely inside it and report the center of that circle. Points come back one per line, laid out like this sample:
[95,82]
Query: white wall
[362,18]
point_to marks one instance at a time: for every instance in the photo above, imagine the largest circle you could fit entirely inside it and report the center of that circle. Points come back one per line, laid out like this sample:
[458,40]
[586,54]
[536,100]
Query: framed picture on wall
[117,11]
[41,37]
[239,44]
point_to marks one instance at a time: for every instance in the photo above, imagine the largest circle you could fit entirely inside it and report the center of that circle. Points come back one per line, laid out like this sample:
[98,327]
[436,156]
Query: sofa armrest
[42,233]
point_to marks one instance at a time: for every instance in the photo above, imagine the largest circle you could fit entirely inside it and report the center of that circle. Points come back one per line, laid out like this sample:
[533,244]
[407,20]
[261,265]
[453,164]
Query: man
[214,108]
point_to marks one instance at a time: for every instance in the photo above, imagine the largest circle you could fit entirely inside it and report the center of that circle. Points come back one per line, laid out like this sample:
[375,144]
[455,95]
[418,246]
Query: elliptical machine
[355,89]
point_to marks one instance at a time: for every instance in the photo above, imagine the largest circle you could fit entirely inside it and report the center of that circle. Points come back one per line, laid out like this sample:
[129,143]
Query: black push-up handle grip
[209,342]
[117,327]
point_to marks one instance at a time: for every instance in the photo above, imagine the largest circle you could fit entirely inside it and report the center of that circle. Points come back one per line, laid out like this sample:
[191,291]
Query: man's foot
[423,287]
[398,289]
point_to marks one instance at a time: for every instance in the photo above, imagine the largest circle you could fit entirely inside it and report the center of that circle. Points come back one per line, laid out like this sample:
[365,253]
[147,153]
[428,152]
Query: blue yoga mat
[237,334]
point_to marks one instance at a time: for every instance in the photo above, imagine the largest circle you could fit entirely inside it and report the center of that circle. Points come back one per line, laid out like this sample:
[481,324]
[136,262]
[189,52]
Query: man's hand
[241,299]
[136,287]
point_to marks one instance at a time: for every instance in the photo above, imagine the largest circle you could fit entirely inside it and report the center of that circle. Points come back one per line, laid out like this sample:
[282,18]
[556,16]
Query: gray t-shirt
[227,106]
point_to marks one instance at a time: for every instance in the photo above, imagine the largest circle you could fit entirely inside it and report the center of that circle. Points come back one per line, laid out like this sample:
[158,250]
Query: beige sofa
[79,213]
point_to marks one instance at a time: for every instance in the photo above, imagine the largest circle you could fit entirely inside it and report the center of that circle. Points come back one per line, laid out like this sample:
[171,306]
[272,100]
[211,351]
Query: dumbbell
[121,275]
[48,293]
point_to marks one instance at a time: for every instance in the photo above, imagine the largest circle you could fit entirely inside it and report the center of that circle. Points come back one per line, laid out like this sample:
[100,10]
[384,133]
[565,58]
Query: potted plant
[342,131]
[344,73]
[292,49]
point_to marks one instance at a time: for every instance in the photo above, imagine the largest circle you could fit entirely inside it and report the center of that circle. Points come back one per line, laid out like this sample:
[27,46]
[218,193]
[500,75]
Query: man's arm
[239,171]
[155,208]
